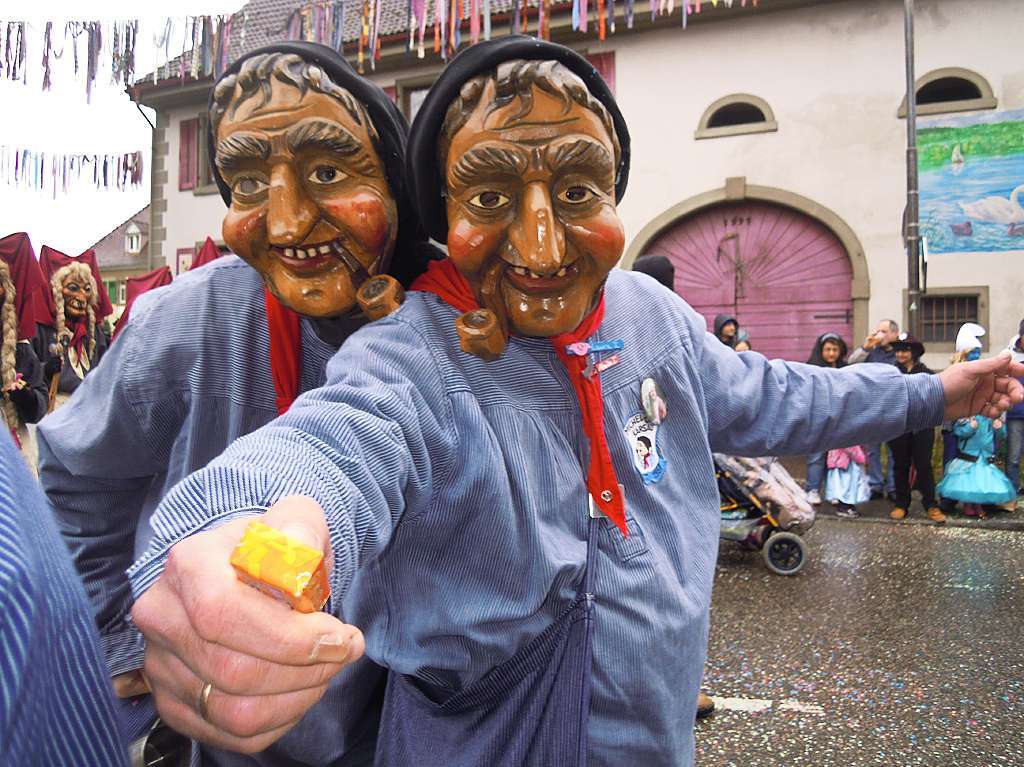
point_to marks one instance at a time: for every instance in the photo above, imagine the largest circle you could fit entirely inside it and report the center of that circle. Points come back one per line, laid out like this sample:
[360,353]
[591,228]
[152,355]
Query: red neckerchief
[445,281]
[285,351]
[79,338]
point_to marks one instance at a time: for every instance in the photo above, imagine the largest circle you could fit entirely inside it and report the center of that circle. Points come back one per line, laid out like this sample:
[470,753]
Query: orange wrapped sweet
[281,567]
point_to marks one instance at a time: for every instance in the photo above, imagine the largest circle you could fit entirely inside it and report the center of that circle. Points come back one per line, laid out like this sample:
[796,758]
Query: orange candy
[281,567]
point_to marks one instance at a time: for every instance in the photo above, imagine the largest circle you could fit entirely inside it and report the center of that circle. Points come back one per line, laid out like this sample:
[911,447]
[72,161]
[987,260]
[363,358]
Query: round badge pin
[655,409]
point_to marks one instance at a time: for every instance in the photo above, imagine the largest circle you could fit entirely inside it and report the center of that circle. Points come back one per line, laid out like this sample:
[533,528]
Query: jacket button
[606,496]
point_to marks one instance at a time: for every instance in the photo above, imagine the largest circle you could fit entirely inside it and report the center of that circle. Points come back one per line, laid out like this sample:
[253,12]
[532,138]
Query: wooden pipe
[379,296]
[481,335]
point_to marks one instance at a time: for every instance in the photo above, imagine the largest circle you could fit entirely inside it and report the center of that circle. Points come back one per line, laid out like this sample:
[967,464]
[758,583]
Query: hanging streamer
[55,173]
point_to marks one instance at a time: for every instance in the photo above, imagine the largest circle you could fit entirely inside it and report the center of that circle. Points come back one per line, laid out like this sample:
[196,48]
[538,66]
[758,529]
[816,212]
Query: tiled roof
[110,251]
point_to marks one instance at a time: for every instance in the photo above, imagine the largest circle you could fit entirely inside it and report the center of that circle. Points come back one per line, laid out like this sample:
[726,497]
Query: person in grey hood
[726,328]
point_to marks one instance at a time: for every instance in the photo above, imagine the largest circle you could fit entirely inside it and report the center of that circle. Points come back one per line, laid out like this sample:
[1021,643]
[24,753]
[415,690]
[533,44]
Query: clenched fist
[227,664]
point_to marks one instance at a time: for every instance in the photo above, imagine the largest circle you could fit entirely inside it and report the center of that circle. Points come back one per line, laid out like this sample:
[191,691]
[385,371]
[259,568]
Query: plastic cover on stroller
[768,479]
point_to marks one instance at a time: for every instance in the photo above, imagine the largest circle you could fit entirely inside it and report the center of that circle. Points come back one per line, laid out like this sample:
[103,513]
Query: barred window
[942,316]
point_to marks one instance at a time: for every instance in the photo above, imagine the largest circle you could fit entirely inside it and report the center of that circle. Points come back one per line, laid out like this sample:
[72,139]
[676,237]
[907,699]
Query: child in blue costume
[972,477]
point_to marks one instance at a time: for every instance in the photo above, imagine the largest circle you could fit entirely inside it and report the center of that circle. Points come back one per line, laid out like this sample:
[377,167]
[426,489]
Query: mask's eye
[72,287]
[489,200]
[248,186]
[576,195]
[326,174]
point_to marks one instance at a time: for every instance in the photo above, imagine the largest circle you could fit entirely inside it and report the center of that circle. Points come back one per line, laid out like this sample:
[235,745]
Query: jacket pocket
[627,548]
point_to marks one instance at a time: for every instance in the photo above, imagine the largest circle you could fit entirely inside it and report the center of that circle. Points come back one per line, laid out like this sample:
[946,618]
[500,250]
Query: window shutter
[604,63]
[188,154]
[392,92]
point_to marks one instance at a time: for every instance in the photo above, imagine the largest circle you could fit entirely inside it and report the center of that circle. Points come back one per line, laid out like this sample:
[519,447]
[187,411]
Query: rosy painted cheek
[364,215]
[244,229]
[602,237]
[470,244]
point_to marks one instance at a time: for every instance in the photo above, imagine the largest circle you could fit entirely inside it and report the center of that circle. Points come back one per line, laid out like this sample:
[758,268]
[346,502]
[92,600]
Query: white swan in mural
[998,210]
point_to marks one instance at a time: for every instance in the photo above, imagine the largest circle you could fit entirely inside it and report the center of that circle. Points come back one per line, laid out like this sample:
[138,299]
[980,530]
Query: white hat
[968,335]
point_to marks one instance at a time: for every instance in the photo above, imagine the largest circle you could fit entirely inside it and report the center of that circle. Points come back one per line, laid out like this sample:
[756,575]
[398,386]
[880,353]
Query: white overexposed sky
[60,120]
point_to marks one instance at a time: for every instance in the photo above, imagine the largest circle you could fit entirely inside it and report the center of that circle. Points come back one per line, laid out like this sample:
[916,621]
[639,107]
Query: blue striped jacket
[188,375]
[457,504]
[56,703]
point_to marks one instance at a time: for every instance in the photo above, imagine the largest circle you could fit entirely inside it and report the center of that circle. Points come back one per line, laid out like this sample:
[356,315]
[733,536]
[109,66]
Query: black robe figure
[74,344]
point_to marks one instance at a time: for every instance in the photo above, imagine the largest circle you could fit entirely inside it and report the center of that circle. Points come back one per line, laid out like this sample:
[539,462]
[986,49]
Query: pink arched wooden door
[783,274]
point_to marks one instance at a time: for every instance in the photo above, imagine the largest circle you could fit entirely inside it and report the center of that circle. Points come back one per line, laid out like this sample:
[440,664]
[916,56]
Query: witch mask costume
[532,156]
[308,178]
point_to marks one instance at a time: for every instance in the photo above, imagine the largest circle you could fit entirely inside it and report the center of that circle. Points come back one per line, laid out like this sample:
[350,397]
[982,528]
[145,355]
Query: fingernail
[331,648]
[304,534]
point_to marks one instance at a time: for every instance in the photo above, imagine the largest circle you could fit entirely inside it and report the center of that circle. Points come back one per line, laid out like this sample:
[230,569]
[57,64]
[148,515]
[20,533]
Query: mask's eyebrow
[328,136]
[584,155]
[240,147]
[487,160]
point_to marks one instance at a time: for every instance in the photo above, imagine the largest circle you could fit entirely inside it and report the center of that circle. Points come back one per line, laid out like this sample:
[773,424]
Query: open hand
[985,387]
[266,665]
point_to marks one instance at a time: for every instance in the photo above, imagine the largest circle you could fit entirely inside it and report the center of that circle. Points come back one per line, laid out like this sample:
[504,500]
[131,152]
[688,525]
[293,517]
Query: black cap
[426,186]
[391,127]
[658,267]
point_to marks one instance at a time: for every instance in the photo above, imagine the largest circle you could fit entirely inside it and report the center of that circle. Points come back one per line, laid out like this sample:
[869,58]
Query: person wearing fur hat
[23,392]
[538,591]
[913,449]
[308,157]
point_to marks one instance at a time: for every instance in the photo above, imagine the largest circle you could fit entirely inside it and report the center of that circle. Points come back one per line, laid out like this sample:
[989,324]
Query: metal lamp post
[912,231]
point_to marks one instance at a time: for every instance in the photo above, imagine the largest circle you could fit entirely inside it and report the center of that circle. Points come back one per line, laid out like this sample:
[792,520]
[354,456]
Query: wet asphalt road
[897,645]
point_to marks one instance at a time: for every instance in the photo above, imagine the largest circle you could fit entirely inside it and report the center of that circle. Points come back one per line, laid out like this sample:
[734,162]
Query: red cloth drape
[51,260]
[136,286]
[445,281]
[209,252]
[285,351]
[30,286]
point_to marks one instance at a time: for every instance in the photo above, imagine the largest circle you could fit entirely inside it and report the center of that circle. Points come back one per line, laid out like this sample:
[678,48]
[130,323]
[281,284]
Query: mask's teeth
[289,252]
[325,249]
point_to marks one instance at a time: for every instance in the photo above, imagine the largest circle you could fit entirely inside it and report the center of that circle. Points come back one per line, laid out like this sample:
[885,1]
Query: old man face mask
[311,208]
[529,161]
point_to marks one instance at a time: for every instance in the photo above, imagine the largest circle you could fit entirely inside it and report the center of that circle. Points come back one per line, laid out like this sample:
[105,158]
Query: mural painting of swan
[998,210]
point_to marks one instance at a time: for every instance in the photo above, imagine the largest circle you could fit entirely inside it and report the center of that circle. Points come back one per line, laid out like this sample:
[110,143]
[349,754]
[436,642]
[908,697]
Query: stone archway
[777,249]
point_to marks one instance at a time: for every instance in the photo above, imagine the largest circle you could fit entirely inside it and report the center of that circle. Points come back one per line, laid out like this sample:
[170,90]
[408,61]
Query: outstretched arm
[363,451]
[757,406]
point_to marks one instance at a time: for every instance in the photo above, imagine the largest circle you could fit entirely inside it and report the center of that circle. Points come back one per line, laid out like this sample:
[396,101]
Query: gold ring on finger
[204,701]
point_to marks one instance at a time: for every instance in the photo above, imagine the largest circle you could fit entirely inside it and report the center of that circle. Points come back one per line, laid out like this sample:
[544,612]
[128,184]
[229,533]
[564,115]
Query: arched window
[952,89]
[735,115]
[133,238]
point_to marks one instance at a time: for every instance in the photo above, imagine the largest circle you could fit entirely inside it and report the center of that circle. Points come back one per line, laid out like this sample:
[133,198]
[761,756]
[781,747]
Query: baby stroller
[763,509]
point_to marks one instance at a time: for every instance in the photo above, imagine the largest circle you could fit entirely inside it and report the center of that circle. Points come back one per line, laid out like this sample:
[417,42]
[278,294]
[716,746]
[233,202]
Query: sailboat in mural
[957,160]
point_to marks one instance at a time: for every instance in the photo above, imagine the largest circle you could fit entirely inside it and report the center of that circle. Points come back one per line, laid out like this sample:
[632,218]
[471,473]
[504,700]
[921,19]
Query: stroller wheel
[784,553]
